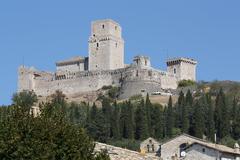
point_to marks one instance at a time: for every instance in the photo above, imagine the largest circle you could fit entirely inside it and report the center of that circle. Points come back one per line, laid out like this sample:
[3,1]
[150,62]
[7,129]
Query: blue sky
[43,32]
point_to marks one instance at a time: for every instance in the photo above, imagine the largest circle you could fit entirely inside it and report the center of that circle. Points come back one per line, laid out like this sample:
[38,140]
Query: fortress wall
[81,82]
[169,81]
[133,80]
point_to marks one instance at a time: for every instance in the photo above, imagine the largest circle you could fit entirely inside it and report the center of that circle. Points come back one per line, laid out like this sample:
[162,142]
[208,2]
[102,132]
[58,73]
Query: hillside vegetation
[209,109]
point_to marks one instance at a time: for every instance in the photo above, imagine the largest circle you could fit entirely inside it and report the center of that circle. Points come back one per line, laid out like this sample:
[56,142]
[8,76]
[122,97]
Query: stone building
[149,145]
[186,147]
[105,66]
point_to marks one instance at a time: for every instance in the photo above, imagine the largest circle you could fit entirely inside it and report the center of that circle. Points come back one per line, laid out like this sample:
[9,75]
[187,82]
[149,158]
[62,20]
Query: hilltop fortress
[104,67]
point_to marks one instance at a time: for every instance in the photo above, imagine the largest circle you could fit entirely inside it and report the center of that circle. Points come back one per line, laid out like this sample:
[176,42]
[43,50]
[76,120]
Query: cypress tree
[169,118]
[222,115]
[210,124]
[130,121]
[179,110]
[123,120]
[190,110]
[199,121]
[185,119]
[91,121]
[235,119]
[107,113]
[141,122]
[158,127]
[148,106]
[116,121]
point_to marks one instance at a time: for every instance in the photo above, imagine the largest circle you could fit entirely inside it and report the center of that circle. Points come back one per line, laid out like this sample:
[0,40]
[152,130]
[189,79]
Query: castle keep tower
[106,46]
[182,68]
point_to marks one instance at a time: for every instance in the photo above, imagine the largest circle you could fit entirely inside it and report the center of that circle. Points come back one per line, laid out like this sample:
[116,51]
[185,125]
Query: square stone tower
[106,46]
[182,68]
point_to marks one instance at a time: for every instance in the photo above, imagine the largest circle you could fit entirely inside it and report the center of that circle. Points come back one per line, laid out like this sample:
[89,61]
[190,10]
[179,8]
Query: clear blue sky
[45,31]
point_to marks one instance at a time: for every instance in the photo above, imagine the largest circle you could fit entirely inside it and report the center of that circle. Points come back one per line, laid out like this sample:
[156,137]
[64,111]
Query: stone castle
[104,67]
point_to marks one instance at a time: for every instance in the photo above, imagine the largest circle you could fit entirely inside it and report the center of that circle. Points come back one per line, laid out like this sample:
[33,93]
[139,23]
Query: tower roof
[178,60]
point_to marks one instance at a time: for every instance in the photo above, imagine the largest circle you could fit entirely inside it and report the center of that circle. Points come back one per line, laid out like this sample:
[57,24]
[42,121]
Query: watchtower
[182,68]
[106,46]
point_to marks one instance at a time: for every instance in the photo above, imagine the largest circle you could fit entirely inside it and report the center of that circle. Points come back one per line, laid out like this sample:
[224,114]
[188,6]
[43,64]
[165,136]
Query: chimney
[236,148]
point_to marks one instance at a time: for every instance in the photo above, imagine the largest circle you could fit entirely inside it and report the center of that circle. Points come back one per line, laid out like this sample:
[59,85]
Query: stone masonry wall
[132,80]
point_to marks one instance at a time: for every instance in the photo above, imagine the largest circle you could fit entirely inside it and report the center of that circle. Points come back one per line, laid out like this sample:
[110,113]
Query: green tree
[130,121]
[222,121]
[157,117]
[141,122]
[235,119]
[188,124]
[210,124]
[127,120]
[169,119]
[179,110]
[25,100]
[148,106]
[116,121]
[199,120]
[107,113]
[49,136]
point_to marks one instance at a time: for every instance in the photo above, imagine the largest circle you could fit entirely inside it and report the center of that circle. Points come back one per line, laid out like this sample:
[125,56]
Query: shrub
[185,83]
[228,141]
[107,87]
[113,92]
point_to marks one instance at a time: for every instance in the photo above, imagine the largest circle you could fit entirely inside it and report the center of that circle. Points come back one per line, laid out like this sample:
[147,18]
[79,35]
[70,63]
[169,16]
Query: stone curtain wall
[132,80]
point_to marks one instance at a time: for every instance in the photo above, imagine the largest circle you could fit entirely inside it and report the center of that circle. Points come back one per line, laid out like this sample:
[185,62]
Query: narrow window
[148,148]
[174,71]
[203,150]
[116,45]
[153,148]
[103,26]
[97,44]
[145,62]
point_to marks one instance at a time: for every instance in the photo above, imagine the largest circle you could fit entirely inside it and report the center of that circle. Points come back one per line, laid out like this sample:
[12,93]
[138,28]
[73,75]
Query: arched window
[103,26]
